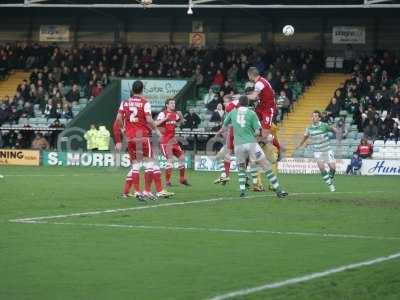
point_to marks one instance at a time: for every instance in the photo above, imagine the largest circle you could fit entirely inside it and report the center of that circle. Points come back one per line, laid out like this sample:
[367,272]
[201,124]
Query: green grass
[174,256]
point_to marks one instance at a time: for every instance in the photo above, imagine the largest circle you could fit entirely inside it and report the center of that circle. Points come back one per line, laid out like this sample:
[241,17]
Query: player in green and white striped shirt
[246,127]
[318,135]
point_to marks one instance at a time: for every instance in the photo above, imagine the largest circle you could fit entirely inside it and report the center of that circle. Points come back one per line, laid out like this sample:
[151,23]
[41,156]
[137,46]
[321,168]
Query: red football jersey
[169,126]
[134,112]
[266,95]
[231,105]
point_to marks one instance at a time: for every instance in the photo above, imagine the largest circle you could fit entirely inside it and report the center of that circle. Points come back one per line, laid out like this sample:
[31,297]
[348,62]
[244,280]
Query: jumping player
[135,120]
[225,153]
[167,121]
[266,108]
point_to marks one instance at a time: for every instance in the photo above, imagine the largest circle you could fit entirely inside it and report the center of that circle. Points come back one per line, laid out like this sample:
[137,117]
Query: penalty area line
[98,212]
[305,278]
[223,230]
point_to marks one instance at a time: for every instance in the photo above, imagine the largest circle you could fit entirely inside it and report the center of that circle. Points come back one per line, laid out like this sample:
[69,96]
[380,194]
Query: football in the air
[288,30]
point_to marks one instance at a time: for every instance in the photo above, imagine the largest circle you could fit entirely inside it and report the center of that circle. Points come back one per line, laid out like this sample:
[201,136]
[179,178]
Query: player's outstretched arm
[118,124]
[253,96]
[305,137]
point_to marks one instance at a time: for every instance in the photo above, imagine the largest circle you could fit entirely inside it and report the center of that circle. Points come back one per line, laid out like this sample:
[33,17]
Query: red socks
[148,177]
[128,185]
[168,174]
[136,181]
[276,144]
[227,167]
[157,180]
[181,173]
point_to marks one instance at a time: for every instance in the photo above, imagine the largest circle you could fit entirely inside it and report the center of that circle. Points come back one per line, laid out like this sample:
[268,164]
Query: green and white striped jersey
[318,135]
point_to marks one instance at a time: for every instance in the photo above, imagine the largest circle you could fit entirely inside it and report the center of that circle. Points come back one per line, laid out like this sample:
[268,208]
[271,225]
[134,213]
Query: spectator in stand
[333,109]
[355,165]
[371,131]
[192,120]
[214,98]
[4,113]
[50,111]
[365,149]
[218,114]
[228,87]
[198,77]
[219,78]
[66,112]
[96,90]
[54,134]
[73,95]
[283,104]
[395,109]
[14,115]
[395,131]
[40,143]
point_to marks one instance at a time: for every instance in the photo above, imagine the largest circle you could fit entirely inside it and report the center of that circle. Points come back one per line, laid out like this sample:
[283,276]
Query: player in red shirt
[167,121]
[266,108]
[135,120]
[224,155]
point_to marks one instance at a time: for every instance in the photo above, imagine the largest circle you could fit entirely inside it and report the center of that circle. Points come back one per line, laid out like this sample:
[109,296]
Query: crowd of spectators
[289,71]
[371,96]
[60,76]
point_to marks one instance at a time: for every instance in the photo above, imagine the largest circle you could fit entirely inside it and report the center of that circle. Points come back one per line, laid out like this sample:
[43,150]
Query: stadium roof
[249,4]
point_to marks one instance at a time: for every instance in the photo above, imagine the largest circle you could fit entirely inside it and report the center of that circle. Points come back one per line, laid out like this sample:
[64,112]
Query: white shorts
[250,151]
[326,156]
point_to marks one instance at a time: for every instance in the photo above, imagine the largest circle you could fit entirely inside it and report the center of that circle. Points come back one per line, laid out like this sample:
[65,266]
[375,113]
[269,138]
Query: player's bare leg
[156,175]
[168,172]
[326,176]
[182,169]
[224,160]
[133,179]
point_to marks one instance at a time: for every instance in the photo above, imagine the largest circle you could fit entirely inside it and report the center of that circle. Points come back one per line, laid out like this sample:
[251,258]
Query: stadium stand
[368,105]
[63,81]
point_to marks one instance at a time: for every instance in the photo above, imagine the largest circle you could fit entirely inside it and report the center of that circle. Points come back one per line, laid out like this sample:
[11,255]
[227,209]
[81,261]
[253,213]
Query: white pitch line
[57,175]
[305,278]
[89,213]
[224,230]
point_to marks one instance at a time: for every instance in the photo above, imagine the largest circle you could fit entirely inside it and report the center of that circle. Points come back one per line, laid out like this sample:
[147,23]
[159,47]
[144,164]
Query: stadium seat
[83,101]
[390,144]
[330,62]
[22,121]
[339,62]
[379,143]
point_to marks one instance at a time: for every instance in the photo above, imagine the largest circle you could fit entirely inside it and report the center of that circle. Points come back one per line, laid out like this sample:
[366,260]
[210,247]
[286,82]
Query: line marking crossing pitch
[304,278]
[223,230]
[98,212]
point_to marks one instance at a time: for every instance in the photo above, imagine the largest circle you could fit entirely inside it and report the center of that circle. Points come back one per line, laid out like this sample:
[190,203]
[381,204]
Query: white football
[288,30]
[147,2]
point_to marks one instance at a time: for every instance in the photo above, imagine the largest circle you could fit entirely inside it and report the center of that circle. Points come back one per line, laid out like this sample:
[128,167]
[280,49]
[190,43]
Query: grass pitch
[213,244]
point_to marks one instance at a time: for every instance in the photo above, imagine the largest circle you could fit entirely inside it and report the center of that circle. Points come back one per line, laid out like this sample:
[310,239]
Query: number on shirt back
[241,120]
[133,116]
